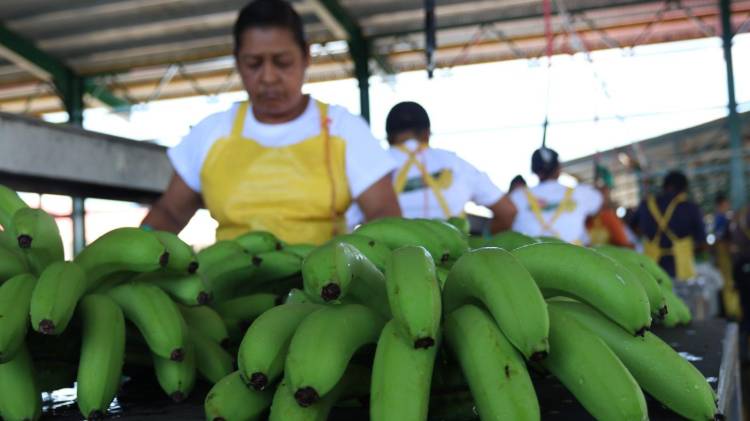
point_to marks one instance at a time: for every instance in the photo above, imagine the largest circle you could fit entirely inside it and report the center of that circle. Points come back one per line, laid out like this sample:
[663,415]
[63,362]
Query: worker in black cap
[430,182]
[550,208]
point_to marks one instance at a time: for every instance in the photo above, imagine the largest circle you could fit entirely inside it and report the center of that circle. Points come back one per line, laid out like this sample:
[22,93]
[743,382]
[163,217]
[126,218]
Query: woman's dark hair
[269,14]
[407,116]
[675,181]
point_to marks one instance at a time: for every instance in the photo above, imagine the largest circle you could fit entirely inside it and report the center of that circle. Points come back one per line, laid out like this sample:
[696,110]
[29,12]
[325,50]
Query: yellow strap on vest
[325,131]
[681,249]
[239,120]
[662,220]
[547,225]
[401,177]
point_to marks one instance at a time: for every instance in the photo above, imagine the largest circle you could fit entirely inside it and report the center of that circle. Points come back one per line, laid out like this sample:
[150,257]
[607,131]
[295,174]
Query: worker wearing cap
[550,208]
[431,182]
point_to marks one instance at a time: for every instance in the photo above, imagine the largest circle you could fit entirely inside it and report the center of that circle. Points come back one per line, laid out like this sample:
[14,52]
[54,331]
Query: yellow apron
[298,192]
[434,185]
[729,294]
[565,205]
[598,233]
[682,248]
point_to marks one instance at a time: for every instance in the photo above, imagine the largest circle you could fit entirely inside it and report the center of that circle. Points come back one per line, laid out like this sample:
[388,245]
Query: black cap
[544,161]
[406,116]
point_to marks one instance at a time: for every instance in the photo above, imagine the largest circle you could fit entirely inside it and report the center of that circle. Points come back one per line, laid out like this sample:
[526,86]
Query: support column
[72,90]
[360,54]
[737,171]
[79,225]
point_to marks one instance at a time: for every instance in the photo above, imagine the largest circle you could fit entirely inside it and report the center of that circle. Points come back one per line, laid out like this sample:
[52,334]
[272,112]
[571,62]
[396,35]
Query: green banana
[102,355]
[55,297]
[401,378]
[177,378]
[126,249]
[590,370]
[462,224]
[683,311]
[207,321]
[10,203]
[230,400]
[509,240]
[211,360]
[442,275]
[255,242]
[274,266]
[494,277]
[398,232]
[354,383]
[20,398]
[335,271]
[297,296]
[549,239]
[657,368]
[15,297]
[679,313]
[583,274]
[216,253]
[661,276]
[477,241]
[653,291]
[181,256]
[187,289]
[496,372]
[322,346]
[12,263]
[156,316]
[374,250]
[265,345]
[224,278]
[38,237]
[414,294]
[238,313]
[300,250]
[449,236]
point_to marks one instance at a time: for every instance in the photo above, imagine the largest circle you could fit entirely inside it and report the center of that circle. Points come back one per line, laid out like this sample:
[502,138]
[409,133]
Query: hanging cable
[547,6]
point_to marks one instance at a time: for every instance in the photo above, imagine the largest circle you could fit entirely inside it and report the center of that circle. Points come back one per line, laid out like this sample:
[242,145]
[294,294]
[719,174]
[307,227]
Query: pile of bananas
[387,318]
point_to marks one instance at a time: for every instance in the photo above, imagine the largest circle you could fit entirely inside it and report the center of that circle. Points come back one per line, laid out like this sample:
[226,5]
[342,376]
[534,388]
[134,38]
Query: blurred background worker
[605,227]
[672,226]
[431,182]
[550,208]
[740,245]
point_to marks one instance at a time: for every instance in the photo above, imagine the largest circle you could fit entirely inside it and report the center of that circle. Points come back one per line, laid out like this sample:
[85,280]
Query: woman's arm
[173,210]
[504,213]
[379,200]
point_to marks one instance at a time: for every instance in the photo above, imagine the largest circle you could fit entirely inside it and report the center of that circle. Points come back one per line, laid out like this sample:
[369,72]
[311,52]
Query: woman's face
[272,67]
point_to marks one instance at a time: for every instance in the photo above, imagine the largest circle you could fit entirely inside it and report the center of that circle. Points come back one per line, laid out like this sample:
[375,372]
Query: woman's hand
[173,210]
[379,200]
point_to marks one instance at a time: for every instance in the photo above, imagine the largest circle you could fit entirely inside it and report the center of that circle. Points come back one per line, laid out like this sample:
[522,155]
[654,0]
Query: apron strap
[547,226]
[325,131]
[662,220]
[428,179]
[239,119]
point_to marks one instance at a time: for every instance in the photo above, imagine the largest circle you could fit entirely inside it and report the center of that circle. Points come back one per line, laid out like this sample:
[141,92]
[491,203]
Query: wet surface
[141,398]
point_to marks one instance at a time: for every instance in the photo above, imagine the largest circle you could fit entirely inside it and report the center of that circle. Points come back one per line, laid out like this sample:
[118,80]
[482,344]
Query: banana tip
[193,267]
[538,356]
[257,261]
[330,292]
[177,396]
[641,332]
[663,310]
[306,396]
[719,417]
[225,343]
[279,246]
[24,241]
[164,259]
[177,355]
[218,419]
[204,298]
[425,343]
[258,381]
[96,415]
[47,327]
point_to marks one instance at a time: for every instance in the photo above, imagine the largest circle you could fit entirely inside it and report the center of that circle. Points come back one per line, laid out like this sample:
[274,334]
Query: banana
[187,289]
[38,237]
[274,266]
[336,271]
[322,346]
[121,250]
[354,383]
[401,377]
[20,398]
[449,236]
[509,240]
[661,276]
[10,203]
[102,355]
[414,294]
[297,296]
[549,239]
[494,277]
[55,297]
[238,313]
[653,291]
[462,224]
[207,321]
[225,276]
[177,378]
[12,263]
[15,297]
[376,251]
[156,316]
[255,242]
[442,275]
[657,368]
[583,274]
[477,241]
[265,345]
[300,250]
[398,232]
[496,372]
[230,400]
[587,367]
[211,360]
[679,313]
[215,253]
[181,256]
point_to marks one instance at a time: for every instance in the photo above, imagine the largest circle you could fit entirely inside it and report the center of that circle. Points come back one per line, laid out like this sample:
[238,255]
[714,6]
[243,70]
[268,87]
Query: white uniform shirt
[570,225]
[366,160]
[461,183]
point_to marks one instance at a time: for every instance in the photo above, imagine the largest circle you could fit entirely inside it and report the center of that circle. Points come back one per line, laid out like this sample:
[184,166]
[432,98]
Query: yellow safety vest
[429,180]
[298,192]
[598,233]
[548,225]
[682,248]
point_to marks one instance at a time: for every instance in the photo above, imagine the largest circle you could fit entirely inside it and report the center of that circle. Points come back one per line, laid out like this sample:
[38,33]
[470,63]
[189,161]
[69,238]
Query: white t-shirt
[570,225]
[464,183]
[366,160]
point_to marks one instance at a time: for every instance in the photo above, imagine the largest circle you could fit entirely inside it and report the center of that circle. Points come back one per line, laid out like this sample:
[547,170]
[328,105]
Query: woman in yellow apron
[281,162]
